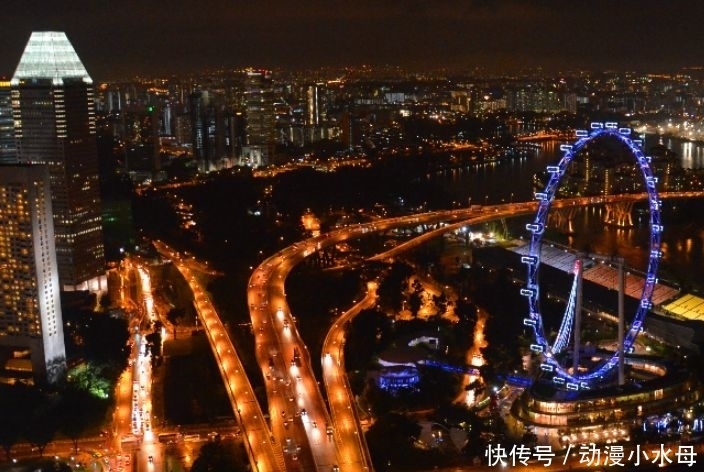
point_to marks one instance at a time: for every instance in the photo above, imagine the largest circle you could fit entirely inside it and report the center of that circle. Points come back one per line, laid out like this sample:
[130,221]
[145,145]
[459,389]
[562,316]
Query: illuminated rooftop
[50,55]
[689,306]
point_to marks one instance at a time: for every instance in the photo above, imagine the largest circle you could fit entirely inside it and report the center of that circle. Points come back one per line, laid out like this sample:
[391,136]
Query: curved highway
[298,414]
[343,409]
[263,454]
[275,329]
[304,434]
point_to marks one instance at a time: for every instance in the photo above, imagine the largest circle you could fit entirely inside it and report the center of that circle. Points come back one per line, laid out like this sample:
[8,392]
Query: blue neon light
[536,228]
[529,259]
[542,196]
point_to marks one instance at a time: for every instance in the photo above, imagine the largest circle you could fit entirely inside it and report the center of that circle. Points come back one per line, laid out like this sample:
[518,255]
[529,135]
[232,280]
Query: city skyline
[206,181]
[134,37]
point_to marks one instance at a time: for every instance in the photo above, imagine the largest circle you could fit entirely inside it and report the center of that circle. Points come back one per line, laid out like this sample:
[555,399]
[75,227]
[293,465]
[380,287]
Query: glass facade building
[30,307]
[8,152]
[261,120]
[54,116]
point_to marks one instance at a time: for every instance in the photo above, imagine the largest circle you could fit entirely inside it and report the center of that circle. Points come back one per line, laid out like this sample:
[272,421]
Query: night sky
[121,38]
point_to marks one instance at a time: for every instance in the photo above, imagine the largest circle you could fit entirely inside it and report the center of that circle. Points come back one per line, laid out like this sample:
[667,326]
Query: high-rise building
[31,327]
[54,114]
[8,151]
[211,139]
[198,102]
[315,112]
[261,121]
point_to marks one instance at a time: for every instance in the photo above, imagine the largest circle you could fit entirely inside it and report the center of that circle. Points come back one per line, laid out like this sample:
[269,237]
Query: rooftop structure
[50,55]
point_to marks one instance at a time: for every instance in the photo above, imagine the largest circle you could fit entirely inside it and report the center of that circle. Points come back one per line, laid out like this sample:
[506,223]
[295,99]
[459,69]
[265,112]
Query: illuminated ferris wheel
[561,376]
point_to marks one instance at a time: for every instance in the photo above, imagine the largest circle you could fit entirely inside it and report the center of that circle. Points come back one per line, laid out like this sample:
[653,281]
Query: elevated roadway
[264,455]
[345,426]
[298,414]
[275,328]
[304,433]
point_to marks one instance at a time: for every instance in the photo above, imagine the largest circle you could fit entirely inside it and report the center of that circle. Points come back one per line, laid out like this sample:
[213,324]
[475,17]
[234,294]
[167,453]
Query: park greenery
[78,406]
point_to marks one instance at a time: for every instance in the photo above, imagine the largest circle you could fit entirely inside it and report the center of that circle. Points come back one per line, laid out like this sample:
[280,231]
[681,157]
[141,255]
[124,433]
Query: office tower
[316,111]
[54,113]
[182,128]
[348,130]
[197,104]
[8,151]
[237,133]
[261,124]
[166,120]
[30,307]
[154,117]
[209,130]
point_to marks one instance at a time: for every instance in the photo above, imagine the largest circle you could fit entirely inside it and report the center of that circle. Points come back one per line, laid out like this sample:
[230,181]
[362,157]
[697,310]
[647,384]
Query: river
[682,239]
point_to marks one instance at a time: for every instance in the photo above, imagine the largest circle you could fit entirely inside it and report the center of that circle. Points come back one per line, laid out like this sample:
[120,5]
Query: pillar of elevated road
[561,218]
[619,214]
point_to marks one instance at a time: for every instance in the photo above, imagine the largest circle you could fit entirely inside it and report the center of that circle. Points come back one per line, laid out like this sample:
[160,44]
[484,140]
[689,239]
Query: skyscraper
[315,111]
[209,129]
[30,307]
[54,114]
[198,103]
[8,152]
[261,122]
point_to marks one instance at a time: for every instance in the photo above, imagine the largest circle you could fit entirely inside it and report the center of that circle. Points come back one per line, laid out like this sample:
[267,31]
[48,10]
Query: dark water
[682,240]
